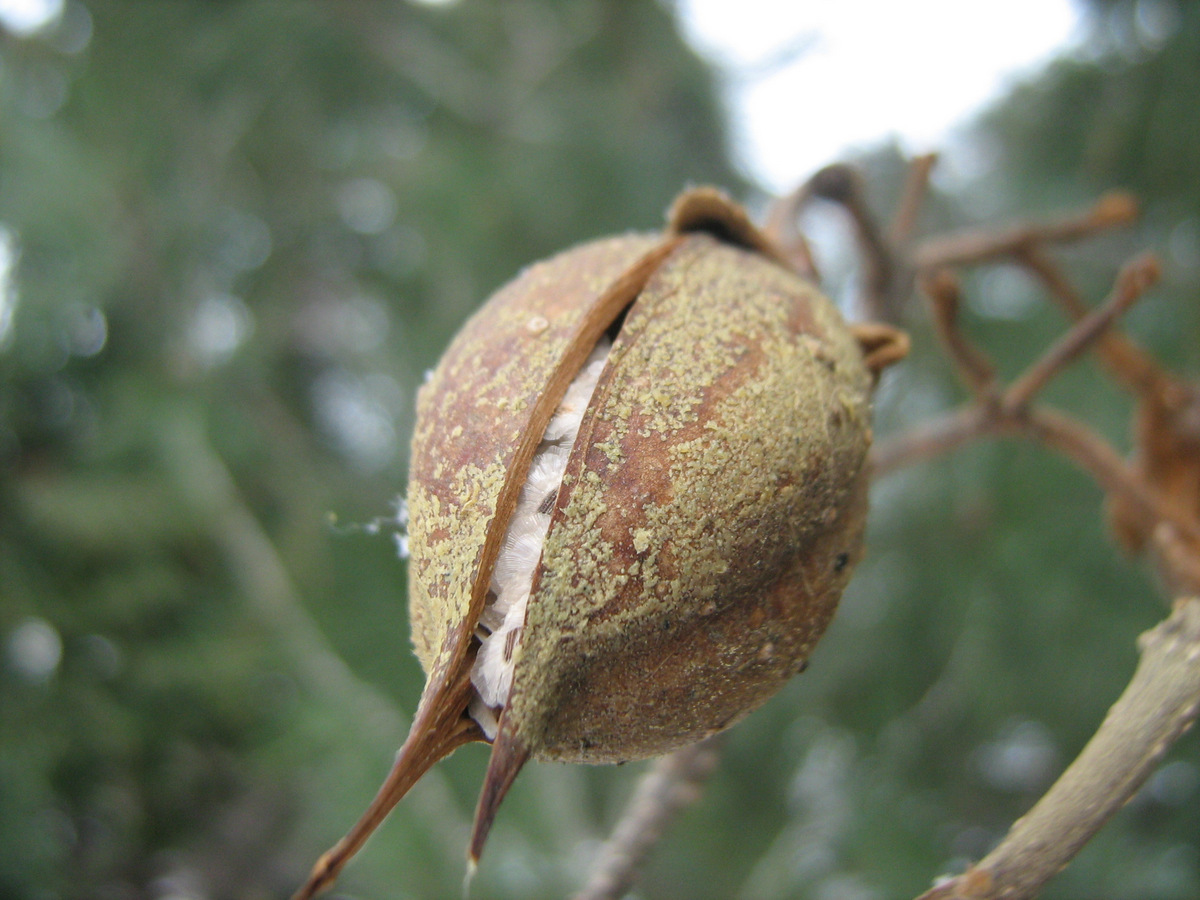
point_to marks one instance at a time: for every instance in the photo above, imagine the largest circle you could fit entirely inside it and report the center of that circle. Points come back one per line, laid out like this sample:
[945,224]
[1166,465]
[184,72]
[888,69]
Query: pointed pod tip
[509,755]
[438,729]
[472,868]
[322,877]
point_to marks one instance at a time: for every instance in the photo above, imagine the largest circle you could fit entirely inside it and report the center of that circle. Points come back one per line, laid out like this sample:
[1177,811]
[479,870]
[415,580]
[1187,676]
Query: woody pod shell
[709,517]
[712,504]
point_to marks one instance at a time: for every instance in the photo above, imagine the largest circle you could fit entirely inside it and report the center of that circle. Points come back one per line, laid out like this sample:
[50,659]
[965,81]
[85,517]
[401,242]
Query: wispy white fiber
[504,617]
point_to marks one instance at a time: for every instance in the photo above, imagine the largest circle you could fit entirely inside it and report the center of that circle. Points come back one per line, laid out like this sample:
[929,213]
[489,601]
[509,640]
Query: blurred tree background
[233,236]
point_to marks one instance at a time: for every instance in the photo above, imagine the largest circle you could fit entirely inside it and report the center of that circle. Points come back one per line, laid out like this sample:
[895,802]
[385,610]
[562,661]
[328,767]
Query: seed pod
[708,517]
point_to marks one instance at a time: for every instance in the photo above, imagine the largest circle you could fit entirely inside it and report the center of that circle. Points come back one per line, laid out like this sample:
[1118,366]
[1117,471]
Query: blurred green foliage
[240,232]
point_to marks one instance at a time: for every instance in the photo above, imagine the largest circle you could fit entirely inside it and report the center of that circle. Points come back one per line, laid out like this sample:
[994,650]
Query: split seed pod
[709,511]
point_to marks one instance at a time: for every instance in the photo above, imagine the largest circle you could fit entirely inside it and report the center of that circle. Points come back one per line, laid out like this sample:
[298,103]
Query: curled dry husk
[708,520]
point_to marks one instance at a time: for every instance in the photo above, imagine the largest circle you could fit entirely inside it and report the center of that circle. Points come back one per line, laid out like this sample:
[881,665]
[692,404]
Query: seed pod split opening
[708,412]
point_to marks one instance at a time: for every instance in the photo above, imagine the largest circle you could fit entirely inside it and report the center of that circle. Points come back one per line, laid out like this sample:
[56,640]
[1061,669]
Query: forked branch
[974,246]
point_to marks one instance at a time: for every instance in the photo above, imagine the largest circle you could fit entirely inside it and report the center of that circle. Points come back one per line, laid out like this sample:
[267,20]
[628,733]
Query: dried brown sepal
[508,757]
[882,345]
[707,210]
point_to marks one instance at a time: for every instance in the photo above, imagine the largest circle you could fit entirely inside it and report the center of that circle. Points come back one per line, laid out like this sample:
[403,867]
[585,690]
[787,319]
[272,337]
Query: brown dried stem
[1054,429]
[1159,704]
[932,438]
[782,227]
[1009,412]
[1097,457]
[1166,439]
[981,245]
[975,369]
[841,184]
[673,783]
[912,196]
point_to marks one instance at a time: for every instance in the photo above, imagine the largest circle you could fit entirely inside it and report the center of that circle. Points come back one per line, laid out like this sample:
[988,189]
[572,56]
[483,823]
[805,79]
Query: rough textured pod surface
[712,506]
[709,516]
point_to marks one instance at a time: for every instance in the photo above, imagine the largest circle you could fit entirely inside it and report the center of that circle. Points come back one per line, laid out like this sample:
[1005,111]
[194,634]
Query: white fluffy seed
[504,616]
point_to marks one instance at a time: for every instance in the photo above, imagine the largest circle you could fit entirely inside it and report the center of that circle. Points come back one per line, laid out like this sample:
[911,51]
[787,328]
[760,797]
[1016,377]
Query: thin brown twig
[842,184]
[980,245]
[1054,429]
[912,196]
[932,438]
[1096,456]
[1167,448]
[1009,413]
[1134,279]
[782,227]
[886,278]
[673,783]
[976,370]
[1159,704]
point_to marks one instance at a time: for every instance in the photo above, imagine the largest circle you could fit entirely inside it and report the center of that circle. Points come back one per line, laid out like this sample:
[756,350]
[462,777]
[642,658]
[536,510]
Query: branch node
[1135,277]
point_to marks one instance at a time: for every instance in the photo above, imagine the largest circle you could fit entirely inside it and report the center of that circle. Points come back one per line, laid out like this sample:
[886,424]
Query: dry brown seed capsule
[708,517]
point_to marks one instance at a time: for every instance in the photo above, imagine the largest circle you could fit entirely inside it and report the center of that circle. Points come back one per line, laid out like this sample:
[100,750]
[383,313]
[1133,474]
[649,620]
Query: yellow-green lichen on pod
[709,516]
